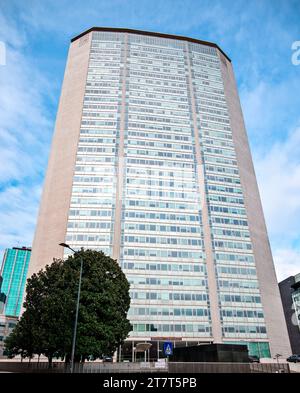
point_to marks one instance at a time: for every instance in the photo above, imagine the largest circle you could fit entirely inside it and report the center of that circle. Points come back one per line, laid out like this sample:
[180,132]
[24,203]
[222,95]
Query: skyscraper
[14,272]
[150,163]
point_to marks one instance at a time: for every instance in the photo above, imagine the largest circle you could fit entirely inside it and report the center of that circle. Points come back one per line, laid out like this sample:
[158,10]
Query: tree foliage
[46,326]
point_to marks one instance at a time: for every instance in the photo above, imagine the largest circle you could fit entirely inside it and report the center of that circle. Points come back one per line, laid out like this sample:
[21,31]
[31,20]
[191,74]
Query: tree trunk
[50,361]
[67,358]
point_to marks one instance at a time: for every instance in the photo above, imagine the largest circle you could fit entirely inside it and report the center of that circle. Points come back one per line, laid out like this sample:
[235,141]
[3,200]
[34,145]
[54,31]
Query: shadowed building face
[150,163]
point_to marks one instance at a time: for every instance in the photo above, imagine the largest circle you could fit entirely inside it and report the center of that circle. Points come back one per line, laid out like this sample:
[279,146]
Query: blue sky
[256,35]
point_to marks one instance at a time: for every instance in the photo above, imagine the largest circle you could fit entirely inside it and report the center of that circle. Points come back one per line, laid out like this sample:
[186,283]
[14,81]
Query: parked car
[253,359]
[293,358]
[107,359]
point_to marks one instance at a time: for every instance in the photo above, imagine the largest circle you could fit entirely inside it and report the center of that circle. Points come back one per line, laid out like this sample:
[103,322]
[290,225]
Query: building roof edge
[150,33]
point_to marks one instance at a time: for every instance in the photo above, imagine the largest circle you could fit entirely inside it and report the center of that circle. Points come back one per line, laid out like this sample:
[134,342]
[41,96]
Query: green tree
[46,326]
[20,341]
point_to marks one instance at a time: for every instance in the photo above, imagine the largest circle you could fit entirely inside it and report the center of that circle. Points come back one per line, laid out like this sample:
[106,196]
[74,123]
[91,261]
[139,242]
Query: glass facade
[14,272]
[150,104]
[296,306]
[259,349]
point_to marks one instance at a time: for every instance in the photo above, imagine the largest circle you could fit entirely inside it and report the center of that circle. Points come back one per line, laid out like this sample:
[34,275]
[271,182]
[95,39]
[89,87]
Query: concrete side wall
[274,317]
[55,202]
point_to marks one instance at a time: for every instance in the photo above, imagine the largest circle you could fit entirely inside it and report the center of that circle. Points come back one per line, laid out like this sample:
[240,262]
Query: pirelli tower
[150,163]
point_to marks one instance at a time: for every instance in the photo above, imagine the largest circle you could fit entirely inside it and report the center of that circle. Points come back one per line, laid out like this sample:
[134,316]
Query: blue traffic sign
[168,348]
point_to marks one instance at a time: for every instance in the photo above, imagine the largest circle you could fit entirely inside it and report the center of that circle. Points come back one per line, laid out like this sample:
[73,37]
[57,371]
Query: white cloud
[278,175]
[10,33]
[25,133]
[287,263]
[25,127]
[166,15]
[18,213]
[268,108]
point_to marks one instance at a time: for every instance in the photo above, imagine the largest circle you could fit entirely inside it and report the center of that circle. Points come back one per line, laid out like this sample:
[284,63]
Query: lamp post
[277,356]
[77,308]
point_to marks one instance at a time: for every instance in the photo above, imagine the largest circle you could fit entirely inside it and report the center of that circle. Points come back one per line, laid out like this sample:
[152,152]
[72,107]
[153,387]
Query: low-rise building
[7,324]
[290,295]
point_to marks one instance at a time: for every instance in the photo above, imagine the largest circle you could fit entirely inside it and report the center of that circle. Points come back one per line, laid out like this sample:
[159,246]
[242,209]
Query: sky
[256,35]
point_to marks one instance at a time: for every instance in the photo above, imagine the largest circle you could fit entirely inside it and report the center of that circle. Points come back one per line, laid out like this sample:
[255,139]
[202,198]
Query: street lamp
[277,356]
[77,308]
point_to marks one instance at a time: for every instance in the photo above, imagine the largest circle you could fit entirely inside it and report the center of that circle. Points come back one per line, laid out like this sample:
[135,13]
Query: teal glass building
[14,271]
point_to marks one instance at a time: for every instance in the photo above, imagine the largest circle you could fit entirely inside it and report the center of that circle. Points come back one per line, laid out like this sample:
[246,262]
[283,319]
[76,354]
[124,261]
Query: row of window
[161,228]
[219,160]
[228,210]
[229,190]
[220,179]
[222,169]
[231,298]
[157,127]
[104,201]
[99,159]
[230,232]
[94,212]
[216,142]
[242,313]
[158,173]
[241,258]
[236,245]
[228,221]
[219,135]
[236,270]
[103,169]
[163,240]
[157,153]
[184,312]
[163,253]
[102,107]
[174,267]
[161,204]
[147,105]
[139,280]
[189,328]
[89,224]
[178,184]
[191,196]
[248,329]
[166,163]
[183,297]
[161,216]
[238,284]
[159,84]
[97,140]
[88,238]
[90,190]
